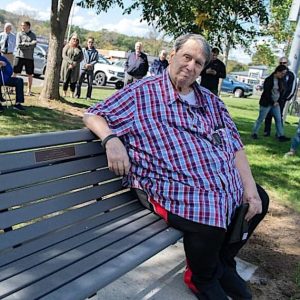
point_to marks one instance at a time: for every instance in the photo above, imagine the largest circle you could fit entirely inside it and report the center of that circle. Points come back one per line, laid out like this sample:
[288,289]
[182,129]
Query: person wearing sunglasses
[70,67]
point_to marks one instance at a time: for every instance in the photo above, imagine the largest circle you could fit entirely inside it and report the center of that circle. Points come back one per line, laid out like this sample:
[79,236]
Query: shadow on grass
[78,103]
[37,119]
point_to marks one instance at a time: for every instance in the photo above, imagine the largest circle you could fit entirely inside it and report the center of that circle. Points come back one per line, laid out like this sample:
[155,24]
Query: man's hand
[2,64]
[118,160]
[251,196]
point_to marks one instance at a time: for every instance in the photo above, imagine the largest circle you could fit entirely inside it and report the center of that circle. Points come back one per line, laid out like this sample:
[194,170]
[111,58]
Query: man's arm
[117,157]
[250,191]
[222,70]
[95,60]
[290,86]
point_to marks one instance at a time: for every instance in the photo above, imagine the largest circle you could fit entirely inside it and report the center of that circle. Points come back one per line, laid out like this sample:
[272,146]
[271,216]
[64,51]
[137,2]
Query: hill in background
[104,38]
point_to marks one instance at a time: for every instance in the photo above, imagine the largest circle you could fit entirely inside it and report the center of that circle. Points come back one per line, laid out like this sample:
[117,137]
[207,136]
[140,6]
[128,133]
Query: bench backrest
[52,180]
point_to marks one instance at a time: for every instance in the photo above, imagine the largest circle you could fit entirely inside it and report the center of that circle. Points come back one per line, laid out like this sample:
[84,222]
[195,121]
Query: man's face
[25,27]
[283,62]
[163,56]
[186,64]
[138,47]
[214,56]
[90,43]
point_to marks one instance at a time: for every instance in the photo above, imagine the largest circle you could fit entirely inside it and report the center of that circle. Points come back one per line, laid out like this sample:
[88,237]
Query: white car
[106,72]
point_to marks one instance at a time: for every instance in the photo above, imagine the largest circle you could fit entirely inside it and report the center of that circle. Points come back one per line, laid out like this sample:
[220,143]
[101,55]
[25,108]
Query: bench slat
[103,275]
[28,159]
[74,242]
[42,174]
[76,220]
[56,204]
[81,259]
[44,190]
[46,139]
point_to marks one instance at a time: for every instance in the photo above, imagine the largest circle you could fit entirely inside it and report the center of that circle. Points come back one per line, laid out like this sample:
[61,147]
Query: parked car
[40,59]
[107,72]
[238,88]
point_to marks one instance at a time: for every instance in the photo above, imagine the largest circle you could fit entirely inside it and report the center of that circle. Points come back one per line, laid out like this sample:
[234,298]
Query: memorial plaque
[53,154]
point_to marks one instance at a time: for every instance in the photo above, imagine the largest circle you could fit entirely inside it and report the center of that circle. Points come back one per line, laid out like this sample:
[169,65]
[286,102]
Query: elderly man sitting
[6,72]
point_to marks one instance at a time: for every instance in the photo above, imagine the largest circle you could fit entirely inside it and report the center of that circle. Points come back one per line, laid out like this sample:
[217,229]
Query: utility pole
[294,56]
[71,20]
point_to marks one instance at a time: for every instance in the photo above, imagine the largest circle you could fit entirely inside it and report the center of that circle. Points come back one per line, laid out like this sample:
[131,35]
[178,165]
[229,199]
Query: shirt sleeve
[118,110]
[235,136]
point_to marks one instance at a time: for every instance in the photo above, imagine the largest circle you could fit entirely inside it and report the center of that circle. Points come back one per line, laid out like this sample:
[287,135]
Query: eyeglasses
[283,62]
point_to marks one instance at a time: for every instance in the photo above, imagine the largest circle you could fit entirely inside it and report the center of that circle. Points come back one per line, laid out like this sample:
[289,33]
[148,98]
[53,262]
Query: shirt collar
[172,95]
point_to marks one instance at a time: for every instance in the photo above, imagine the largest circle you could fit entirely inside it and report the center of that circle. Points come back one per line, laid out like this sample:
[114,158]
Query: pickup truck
[238,88]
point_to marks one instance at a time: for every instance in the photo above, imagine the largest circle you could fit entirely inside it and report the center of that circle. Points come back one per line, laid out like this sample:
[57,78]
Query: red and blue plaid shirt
[173,151]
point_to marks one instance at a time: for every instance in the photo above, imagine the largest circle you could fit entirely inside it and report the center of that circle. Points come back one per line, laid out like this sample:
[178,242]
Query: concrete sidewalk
[159,278]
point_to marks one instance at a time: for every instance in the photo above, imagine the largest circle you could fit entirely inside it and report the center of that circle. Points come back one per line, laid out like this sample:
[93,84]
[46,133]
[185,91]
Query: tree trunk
[60,11]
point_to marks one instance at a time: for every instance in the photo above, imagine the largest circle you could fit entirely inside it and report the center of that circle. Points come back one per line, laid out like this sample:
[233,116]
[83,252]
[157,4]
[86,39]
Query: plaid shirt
[173,151]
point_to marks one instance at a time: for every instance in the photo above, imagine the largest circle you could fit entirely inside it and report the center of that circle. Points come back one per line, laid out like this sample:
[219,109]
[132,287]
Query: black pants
[206,247]
[68,81]
[89,75]
[269,117]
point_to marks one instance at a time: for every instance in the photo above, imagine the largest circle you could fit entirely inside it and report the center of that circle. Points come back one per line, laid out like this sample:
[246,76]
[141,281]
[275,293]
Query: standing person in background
[213,72]
[8,42]
[136,65]
[25,44]
[160,64]
[289,82]
[70,67]
[90,58]
[269,101]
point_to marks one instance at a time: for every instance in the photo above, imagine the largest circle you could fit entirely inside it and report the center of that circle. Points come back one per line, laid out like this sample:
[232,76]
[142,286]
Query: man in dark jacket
[136,65]
[289,82]
[90,58]
[6,72]
[159,64]
[269,101]
[213,72]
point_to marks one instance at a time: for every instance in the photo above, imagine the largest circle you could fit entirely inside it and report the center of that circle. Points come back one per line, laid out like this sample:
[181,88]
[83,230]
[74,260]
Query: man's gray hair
[181,40]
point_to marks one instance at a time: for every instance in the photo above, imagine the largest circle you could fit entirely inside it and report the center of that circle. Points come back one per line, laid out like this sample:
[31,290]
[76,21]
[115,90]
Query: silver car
[40,59]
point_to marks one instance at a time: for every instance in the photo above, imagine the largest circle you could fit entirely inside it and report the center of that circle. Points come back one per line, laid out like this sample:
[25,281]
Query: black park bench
[67,226]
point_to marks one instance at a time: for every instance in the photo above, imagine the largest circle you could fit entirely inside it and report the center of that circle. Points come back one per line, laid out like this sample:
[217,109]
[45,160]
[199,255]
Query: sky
[113,20]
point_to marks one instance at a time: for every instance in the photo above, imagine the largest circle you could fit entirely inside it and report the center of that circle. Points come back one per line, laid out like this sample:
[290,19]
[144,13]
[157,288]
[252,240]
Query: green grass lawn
[270,169]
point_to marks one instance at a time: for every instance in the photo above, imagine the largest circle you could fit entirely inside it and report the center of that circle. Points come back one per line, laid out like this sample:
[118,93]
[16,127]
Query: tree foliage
[221,22]
[280,28]
[264,56]
[234,66]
